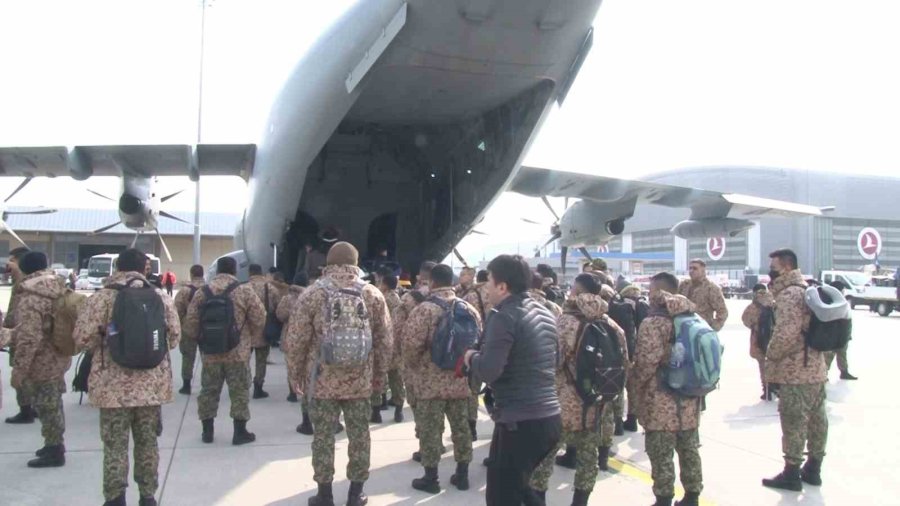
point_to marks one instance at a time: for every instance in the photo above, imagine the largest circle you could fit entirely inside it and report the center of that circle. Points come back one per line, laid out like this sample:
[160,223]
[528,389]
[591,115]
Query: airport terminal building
[863,229]
[65,236]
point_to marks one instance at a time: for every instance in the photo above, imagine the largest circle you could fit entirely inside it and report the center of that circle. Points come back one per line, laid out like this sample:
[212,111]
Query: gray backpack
[348,332]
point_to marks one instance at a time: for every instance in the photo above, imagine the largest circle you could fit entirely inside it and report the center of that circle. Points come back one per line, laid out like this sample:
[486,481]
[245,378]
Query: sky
[667,85]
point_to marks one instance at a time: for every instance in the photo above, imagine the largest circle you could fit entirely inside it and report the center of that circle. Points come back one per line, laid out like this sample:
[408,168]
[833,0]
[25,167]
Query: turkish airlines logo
[869,243]
[715,248]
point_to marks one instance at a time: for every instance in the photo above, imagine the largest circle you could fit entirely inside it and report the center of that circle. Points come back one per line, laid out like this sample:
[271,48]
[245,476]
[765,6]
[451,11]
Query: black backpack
[831,335]
[599,367]
[82,374]
[219,332]
[137,336]
[272,330]
[456,333]
[641,311]
[623,312]
[765,327]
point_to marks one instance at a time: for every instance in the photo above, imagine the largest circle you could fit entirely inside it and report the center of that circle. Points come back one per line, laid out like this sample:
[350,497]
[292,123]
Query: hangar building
[862,229]
[65,236]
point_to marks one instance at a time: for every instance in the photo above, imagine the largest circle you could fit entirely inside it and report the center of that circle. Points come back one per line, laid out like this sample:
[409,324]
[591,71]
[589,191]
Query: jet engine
[712,227]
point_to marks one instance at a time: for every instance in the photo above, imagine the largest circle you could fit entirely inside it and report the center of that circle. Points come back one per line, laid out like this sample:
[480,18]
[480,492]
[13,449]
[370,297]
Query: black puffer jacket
[518,360]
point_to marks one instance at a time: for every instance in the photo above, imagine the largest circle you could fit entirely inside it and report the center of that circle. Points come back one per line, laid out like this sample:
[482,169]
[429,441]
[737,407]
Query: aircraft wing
[536,182]
[82,162]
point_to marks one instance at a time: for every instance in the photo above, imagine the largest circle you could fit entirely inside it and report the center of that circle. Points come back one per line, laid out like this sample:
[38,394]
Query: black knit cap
[32,262]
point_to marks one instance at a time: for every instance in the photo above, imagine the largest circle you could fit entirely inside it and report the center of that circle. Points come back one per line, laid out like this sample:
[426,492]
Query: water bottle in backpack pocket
[456,333]
[137,336]
[695,361]
[347,338]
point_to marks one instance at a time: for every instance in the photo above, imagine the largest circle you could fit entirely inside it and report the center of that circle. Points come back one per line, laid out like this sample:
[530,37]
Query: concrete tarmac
[740,437]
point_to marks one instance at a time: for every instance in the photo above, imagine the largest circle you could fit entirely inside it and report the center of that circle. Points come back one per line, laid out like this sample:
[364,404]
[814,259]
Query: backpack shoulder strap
[193,289]
[266,301]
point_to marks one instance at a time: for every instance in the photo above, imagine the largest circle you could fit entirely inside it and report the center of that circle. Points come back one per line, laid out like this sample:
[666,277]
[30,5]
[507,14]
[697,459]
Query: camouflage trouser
[395,382]
[803,421]
[607,424]
[304,404]
[586,443]
[23,393]
[375,399]
[262,355]
[188,349]
[472,404]
[431,429]
[660,446]
[47,396]
[212,377]
[115,426]
[762,370]
[325,414]
[841,356]
[632,398]
[619,406]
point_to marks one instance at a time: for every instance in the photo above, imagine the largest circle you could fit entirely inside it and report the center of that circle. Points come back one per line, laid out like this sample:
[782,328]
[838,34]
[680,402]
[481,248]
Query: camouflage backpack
[348,332]
[65,312]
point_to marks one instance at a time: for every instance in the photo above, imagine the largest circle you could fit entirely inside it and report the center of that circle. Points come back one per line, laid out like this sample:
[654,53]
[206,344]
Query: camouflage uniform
[270,294]
[36,362]
[399,317]
[671,421]
[750,318]
[129,399]
[394,377]
[477,297]
[23,394]
[338,388]
[632,293]
[5,336]
[799,371]
[841,359]
[231,367]
[439,391]
[286,307]
[708,299]
[188,346]
[586,438]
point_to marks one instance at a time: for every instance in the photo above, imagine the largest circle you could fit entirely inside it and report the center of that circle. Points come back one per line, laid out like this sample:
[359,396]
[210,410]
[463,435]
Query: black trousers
[516,450]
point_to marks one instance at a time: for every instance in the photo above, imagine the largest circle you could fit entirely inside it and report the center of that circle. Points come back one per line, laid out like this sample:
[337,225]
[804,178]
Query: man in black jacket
[518,360]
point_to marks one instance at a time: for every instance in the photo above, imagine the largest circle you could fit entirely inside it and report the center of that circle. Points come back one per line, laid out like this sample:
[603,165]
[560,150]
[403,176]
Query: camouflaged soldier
[439,392]
[466,282]
[587,450]
[5,337]
[671,421]
[388,287]
[230,367]
[188,346]
[800,373]
[286,307]
[129,399]
[269,295]
[633,294]
[26,412]
[408,302]
[706,295]
[37,363]
[762,298]
[537,293]
[478,298]
[337,359]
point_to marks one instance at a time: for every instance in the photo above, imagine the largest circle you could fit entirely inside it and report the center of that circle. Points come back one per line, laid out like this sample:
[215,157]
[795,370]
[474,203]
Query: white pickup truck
[879,293]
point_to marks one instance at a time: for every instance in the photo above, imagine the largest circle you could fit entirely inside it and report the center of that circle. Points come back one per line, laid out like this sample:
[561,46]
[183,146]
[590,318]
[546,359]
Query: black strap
[266,301]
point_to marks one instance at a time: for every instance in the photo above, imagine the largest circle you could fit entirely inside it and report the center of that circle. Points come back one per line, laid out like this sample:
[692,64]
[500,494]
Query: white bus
[103,266]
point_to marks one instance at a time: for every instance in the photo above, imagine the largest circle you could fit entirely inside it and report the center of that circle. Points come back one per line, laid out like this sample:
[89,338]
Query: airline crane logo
[715,248]
[869,243]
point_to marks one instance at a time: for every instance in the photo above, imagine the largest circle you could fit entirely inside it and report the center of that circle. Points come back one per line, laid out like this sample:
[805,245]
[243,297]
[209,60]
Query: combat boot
[619,428]
[208,430]
[460,479]
[26,414]
[630,423]
[185,387]
[542,494]
[789,479]
[147,501]
[428,483]
[845,375]
[580,497]
[689,499]
[324,497]
[306,426]
[473,428]
[812,472]
[258,392]
[53,456]
[118,501]
[356,497]
[603,458]
[567,460]
[241,436]
[384,403]
[663,500]
[292,397]
[398,414]
[376,415]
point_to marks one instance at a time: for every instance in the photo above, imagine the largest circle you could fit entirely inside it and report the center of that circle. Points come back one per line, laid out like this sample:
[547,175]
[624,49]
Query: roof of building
[71,220]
